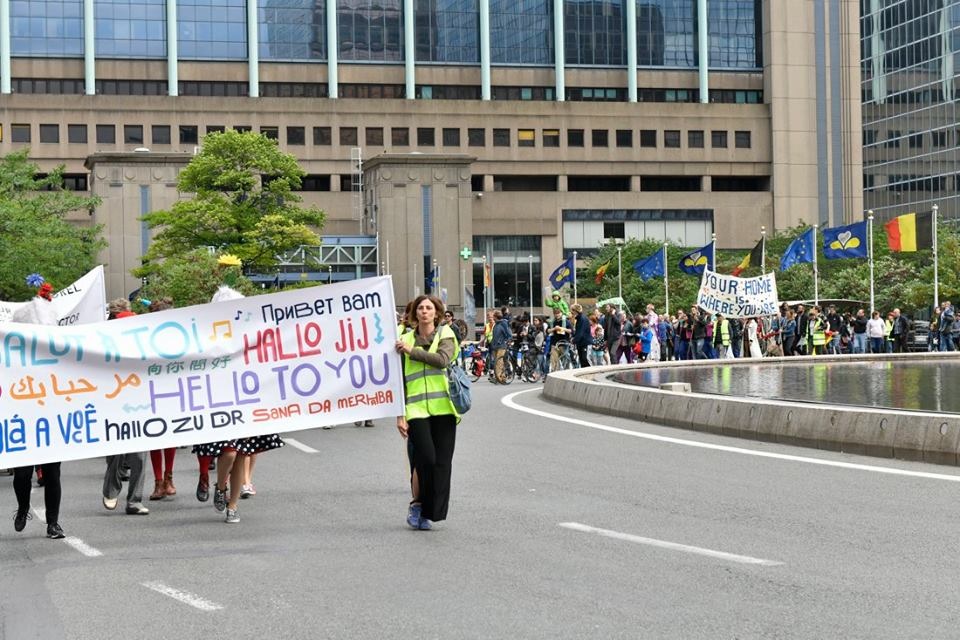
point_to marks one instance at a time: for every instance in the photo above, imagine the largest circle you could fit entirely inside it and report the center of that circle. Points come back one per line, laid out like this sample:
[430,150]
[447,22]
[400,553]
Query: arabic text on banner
[281,362]
[738,297]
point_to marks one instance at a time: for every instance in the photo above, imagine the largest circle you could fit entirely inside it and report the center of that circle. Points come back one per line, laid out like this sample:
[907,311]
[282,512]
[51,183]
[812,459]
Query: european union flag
[694,262]
[846,242]
[652,267]
[432,278]
[800,250]
[562,274]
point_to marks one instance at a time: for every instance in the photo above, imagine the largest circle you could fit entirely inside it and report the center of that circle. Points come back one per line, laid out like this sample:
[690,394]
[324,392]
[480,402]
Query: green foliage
[191,278]
[34,236]
[903,280]
[233,209]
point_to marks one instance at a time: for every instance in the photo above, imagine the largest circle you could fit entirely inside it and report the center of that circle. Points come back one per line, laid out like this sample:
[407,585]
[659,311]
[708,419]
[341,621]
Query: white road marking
[296,444]
[508,401]
[671,546]
[83,547]
[194,601]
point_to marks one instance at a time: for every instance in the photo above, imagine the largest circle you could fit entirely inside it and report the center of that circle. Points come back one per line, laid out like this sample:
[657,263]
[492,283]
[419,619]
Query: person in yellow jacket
[888,333]
[817,333]
[721,336]
[429,419]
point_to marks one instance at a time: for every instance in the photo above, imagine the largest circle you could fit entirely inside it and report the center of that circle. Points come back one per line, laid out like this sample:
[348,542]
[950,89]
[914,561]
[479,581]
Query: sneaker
[110,503]
[20,520]
[358,423]
[413,515]
[247,491]
[55,531]
[137,509]
[232,516]
[425,525]
[203,489]
[368,423]
[219,499]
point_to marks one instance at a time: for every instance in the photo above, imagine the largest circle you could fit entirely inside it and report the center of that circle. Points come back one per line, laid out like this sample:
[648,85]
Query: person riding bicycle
[502,335]
[560,332]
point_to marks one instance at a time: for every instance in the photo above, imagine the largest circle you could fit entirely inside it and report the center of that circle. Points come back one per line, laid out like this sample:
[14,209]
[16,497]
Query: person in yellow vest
[429,419]
[721,336]
[888,333]
[817,332]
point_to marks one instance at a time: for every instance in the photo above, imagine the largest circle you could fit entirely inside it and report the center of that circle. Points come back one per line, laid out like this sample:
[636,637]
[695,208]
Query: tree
[191,278]
[243,204]
[35,237]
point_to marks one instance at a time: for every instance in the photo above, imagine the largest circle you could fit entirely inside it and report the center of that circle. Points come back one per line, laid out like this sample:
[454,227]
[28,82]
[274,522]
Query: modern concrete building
[911,139]
[543,127]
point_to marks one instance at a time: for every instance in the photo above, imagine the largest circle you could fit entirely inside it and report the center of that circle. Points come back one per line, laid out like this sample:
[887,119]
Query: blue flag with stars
[800,250]
[849,241]
[652,267]
[562,274]
[694,262]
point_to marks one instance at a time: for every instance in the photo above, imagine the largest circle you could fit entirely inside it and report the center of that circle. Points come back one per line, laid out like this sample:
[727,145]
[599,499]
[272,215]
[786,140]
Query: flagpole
[574,277]
[485,287]
[416,289]
[870,247]
[936,265]
[713,250]
[666,282]
[619,275]
[816,269]
[530,264]
[436,278]
[763,250]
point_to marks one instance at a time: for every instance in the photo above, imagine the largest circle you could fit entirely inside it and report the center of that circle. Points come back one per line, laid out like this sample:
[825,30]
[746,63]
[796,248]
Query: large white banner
[738,297]
[268,364]
[83,302]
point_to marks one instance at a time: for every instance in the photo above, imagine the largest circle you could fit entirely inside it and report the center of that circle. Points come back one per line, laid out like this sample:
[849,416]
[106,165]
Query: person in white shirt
[876,333]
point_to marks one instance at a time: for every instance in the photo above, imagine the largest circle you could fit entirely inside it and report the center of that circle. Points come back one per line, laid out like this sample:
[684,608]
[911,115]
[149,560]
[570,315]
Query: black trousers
[433,440]
[22,476]
[582,355]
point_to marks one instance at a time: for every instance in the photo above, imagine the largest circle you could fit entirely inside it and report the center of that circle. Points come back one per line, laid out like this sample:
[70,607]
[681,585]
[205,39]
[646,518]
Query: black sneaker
[219,499]
[55,532]
[20,520]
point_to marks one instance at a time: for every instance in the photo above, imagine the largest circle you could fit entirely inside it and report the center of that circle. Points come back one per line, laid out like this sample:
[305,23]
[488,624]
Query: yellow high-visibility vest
[427,389]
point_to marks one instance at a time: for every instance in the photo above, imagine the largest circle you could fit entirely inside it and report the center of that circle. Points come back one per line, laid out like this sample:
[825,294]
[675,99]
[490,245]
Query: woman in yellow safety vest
[430,419]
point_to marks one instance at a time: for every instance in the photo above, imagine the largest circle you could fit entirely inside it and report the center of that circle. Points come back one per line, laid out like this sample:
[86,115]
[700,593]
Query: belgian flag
[752,259]
[910,232]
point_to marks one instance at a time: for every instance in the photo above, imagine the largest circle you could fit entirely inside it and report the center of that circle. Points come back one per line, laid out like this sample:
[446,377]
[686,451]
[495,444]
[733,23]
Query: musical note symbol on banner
[227,333]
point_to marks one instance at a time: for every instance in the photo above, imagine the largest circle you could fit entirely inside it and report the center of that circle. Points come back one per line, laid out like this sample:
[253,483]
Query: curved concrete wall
[928,437]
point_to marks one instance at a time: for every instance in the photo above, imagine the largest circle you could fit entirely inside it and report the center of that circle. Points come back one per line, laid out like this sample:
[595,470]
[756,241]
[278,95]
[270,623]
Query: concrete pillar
[5,47]
[485,49]
[703,38]
[631,50]
[253,48]
[333,50]
[173,78]
[707,184]
[558,60]
[89,54]
[634,183]
[562,183]
[409,51]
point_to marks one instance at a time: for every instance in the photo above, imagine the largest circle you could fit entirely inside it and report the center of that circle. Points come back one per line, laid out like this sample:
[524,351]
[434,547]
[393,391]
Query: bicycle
[564,356]
[506,366]
[530,364]
[478,363]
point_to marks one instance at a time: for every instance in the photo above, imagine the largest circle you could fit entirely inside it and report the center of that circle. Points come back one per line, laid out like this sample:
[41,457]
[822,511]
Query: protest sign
[738,297]
[83,302]
[268,364]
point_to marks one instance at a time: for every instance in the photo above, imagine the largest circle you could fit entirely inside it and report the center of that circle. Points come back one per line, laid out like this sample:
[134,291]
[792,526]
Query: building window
[451,137]
[106,134]
[160,134]
[271,133]
[869,137]
[476,183]
[521,32]
[322,136]
[624,137]
[296,136]
[614,230]
[400,136]
[574,137]
[189,134]
[243,128]
[600,138]
[132,134]
[666,34]
[671,139]
[370,30]
[374,136]
[50,133]
[293,30]
[477,137]
[595,33]
[526,138]
[50,28]
[648,138]
[501,137]
[314,182]
[916,140]
[447,31]
[733,28]
[695,139]
[893,138]
[348,136]
[939,138]
[425,137]
[718,139]
[208,31]
[77,133]
[215,128]
[742,139]
[551,137]
[130,29]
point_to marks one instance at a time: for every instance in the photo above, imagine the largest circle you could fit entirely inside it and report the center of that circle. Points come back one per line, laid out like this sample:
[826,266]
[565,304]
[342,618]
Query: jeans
[698,353]
[877,346]
[859,343]
[946,342]
[683,346]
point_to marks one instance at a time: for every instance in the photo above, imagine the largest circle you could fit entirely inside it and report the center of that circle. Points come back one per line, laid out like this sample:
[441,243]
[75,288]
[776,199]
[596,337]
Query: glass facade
[212,29]
[293,29]
[666,33]
[370,30]
[130,28]
[733,29]
[510,260]
[594,32]
[521,32]
[909,68]
[447,30]
[48,28]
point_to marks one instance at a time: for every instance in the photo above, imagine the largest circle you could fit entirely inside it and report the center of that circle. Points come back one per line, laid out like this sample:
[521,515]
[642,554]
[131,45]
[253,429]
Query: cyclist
[560,332]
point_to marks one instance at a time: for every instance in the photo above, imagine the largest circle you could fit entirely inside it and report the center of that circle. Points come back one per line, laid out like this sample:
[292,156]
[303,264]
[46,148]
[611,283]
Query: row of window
[520,33]
[914,139]
[160,134]
[378,91]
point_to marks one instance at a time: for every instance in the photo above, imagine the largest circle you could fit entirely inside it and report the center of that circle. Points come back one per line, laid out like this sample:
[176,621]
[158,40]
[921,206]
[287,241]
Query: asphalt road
[557,529]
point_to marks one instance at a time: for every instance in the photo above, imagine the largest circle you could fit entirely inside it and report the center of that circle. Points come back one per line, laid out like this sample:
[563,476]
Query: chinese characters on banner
[738,297]
[267,364]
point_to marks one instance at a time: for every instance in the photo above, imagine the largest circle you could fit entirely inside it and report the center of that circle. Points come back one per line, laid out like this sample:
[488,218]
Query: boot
[158,492]
[168,487]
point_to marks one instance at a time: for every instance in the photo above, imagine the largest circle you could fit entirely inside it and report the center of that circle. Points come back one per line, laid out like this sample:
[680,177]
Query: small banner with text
[735,297]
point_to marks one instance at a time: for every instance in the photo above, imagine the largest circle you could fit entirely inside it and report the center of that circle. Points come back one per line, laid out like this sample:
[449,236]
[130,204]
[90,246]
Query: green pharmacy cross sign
[465,253]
